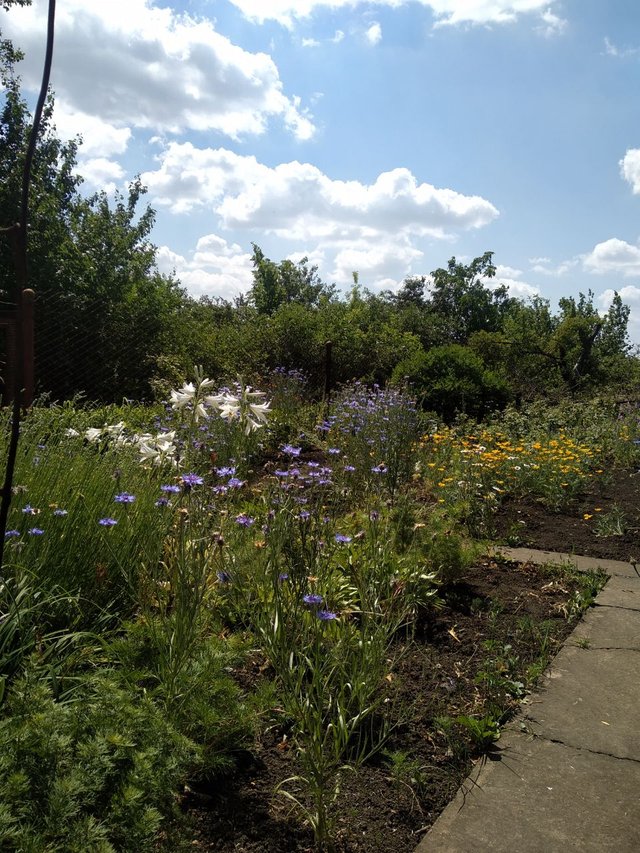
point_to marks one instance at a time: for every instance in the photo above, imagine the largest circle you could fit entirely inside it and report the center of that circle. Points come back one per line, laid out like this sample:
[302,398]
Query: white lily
[93,434]
[181,398]
[71,433]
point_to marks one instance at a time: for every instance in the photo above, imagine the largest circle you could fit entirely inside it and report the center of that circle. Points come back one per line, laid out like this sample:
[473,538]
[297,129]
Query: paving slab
[542,797]
[589,700]
[583,564]
[608,628]
[620,592]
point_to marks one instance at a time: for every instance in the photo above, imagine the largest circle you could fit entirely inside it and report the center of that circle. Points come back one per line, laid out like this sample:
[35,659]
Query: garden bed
[464,674]
[603,522]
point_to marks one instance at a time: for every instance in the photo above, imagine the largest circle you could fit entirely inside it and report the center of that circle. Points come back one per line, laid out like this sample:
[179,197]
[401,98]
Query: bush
[453,380]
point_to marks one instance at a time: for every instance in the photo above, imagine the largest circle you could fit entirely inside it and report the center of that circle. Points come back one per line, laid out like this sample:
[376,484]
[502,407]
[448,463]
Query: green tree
[103,311]
[286,282]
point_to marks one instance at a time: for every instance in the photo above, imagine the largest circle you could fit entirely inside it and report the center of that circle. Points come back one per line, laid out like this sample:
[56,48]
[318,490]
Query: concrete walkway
[566,775]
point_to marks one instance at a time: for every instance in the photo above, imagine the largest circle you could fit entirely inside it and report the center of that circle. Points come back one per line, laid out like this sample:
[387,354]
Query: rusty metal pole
[327,372]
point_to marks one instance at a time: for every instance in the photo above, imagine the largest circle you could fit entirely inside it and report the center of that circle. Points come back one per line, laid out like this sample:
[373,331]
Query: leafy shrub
[96,774]
[452,380]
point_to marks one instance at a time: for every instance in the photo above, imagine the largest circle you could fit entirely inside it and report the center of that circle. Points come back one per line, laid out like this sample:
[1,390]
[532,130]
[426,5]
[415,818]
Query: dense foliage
[109,325]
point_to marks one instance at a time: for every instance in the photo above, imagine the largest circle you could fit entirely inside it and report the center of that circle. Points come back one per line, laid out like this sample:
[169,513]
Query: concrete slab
[543,797]
[589,700]
[620,592]
[583,564]
[608,628]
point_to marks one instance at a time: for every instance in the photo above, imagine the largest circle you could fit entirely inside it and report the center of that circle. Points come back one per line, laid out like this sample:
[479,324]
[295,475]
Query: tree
[103,311]
[286,282]
[461,301]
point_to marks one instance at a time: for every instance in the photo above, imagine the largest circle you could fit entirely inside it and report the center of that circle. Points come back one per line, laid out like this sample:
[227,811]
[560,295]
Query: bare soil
[472,658]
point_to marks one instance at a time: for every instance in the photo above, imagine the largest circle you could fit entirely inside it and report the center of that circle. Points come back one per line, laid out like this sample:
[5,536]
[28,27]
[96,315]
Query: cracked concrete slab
[583,564]
[542,797]
[620,592]
[608,628]
[588,700]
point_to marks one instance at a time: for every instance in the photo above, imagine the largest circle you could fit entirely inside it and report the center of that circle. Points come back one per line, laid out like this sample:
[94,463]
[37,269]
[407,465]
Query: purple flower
[374,515]
[124,498]
[171,488]
[334,450]
[342,538]
[312,599]
[107,522]
[290,450]
[279,473]
[326,615]
[190,480]
[226,471]
[379,469]
[60,513]
[35,531]
[349,468]
[163,502]
[235,483]
[283,576]
[304,515]
[10,533]
[29,510]
[313,464]
[220,490]
[224,577]
[244,520]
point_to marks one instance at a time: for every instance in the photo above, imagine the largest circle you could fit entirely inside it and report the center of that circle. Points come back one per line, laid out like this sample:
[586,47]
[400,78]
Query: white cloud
[374,34]
[614,256]
[310,43]
[135,64]
[99,138]
[299,202]
[630,169]
[508,272]
[552,24]
[216,268]
[544,266]
[338,36]
[612,49]
[379,265]
[286,12]
[517,288]
[101,173]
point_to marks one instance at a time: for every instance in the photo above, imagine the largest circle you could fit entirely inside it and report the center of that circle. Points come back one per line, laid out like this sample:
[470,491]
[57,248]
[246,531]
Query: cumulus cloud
[510,277]
[374,34]
[545,266]
[380,265]
[298,201]
[101,173]
[614,256]
[216,268]
[286,12]
[630,169]
[149,67]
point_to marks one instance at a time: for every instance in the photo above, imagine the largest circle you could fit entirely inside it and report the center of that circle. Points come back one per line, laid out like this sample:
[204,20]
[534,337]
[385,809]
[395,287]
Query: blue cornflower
[312,599]
[313,464]
[29,510]
[224,577]
[379,469]
[349,468]
[124,498]
[244,520]
[60,513]
[304,515]
[334,450]
[374,515]
[290,450]
[35,531]
[107,522]
[283,576]
[279,473]
[226,471]
[9,533]
[220,490]
[235,483]
[326,615]
[342,538]
[163,502]
[171,488]
[189,480]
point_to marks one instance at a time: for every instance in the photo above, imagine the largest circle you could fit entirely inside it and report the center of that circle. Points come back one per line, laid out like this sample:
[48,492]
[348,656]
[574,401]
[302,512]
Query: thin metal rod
[20,260]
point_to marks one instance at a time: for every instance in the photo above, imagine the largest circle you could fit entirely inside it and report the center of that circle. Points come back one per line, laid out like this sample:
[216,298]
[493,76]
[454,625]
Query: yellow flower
[587,516]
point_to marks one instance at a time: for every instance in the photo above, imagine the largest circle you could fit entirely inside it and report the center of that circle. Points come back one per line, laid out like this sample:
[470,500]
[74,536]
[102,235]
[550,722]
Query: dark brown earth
[473,657]
[469,659]
[604,522]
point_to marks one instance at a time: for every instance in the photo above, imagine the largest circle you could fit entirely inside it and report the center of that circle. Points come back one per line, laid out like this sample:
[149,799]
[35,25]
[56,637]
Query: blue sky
[381,137]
